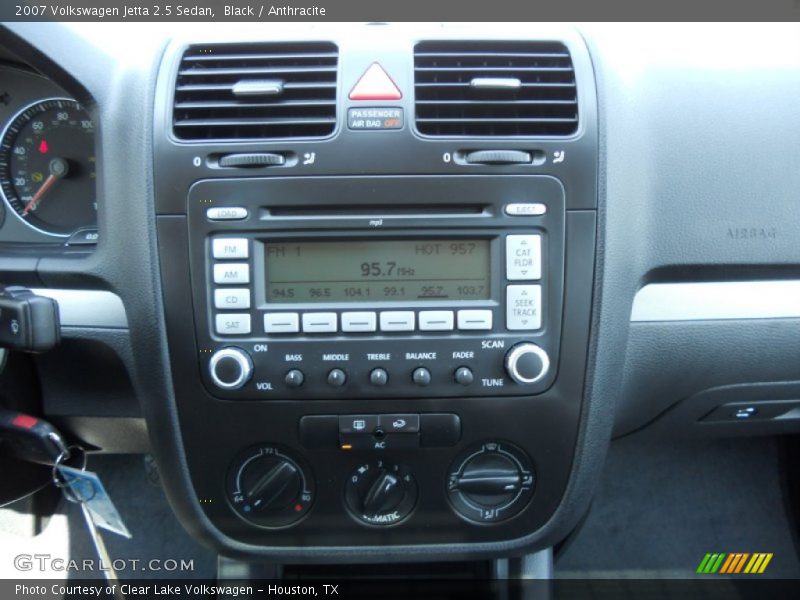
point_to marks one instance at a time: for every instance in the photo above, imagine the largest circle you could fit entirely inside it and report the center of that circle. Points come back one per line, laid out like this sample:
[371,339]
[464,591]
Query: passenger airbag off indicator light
[375,84]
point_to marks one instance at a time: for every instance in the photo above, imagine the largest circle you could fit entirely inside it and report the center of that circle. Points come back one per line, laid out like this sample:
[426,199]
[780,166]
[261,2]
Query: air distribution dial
[380,494]
[490,483]
[269,488]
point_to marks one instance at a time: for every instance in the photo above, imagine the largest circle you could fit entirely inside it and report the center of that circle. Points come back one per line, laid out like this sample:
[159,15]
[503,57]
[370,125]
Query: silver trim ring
[245,366]
[517,352]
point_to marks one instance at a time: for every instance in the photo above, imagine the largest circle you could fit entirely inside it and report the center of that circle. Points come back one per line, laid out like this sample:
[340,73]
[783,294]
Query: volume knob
[527,363]
[230,368]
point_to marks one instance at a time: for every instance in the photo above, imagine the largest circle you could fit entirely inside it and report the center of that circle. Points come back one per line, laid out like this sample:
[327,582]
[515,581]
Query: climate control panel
[271,487]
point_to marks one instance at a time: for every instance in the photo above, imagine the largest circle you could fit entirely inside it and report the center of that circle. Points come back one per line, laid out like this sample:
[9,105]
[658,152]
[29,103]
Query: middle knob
[380,494]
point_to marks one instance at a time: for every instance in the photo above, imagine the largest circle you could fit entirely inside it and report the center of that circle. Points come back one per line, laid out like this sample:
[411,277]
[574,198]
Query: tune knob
[527,363]
[230,368]
[380,494]
[269,488]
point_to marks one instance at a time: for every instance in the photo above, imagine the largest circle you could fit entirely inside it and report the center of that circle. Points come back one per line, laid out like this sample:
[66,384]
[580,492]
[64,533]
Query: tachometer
[47,166]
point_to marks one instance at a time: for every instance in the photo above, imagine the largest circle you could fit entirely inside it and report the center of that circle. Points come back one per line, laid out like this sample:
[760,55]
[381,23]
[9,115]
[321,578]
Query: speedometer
[47,166]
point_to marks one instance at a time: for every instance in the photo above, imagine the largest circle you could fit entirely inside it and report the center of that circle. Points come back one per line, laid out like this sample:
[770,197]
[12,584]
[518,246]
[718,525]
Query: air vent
[494,89]
[256,91]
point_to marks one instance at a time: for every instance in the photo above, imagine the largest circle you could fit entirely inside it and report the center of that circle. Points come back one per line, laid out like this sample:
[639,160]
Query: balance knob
[230,368]
[527,363]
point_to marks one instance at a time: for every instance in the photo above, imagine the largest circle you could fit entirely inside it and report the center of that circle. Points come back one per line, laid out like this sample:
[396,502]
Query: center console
[378,336]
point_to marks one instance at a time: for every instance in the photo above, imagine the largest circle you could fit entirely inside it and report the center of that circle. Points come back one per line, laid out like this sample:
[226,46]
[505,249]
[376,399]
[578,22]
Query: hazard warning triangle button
[375,84]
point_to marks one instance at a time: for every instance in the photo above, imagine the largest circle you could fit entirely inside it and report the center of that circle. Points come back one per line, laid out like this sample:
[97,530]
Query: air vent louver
[256,91]
[494,88]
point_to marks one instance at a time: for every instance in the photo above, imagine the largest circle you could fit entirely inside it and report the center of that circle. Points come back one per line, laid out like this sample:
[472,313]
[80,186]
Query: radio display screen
[377,270]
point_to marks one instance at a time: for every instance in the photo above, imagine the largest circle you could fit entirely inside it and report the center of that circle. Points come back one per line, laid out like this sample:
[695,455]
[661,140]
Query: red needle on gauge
[48,183]
[58,168]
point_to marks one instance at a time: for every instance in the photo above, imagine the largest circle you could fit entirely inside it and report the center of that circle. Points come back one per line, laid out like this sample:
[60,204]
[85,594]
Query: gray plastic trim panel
[717,300]
[87,308]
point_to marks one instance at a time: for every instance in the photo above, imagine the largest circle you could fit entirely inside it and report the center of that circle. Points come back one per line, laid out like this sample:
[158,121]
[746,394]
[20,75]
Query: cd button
[436,320]
[230,298]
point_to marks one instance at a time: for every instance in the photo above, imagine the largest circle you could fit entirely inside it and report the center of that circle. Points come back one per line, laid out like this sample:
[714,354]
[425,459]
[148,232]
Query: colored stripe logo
[731,563]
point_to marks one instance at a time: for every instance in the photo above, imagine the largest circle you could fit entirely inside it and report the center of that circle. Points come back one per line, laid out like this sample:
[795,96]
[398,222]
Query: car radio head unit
[411,300]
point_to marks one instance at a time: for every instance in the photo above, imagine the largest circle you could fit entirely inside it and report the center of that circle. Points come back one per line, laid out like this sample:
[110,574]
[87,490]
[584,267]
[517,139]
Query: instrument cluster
[47,163]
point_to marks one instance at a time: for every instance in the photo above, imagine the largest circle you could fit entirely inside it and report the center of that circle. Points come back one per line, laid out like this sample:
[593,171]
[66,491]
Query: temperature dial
[269,488]
[490,483]
[380,494]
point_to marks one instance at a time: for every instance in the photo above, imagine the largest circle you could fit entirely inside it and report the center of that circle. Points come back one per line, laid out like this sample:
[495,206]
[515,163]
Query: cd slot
[347,211]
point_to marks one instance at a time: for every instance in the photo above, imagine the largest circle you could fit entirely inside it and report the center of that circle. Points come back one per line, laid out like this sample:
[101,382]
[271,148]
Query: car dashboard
[394,288]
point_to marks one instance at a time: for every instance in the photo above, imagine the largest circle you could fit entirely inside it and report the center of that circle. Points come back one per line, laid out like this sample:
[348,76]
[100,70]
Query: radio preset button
[359,321]
[294,378]
[378,377]
[229,248]
[436,320]
[464,376]
[281,322]
[337,378]
[232,298]
[397,320]
[233,324]
[523,257]
[232,273]
[421,376]
[526,209]
[523,307]
[475,320]
[226,213]
[319,323]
